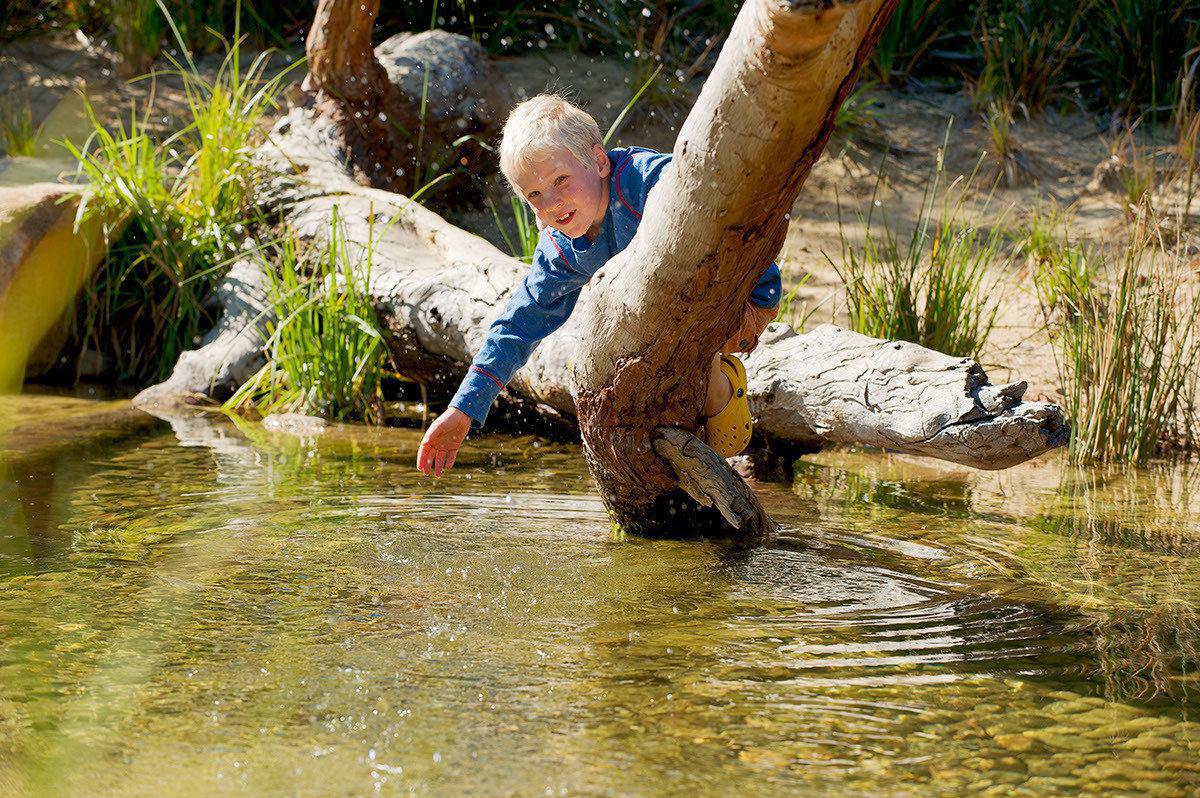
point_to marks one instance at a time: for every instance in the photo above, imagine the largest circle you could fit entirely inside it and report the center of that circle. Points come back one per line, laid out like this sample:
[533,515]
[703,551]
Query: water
[206,611]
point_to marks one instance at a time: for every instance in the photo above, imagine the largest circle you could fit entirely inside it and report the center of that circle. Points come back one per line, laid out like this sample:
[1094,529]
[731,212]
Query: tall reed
[523,243]
[930,288]
[16,125]
[325,350]
[1127,352]
[175,213]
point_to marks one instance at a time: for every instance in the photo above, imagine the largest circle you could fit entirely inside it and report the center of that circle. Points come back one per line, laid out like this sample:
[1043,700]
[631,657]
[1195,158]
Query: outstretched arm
[542,302]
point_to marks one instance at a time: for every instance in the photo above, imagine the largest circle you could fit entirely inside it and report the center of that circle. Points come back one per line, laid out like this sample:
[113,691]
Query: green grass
[915,30]
[325,350]
[1061,269]
[858,118]
[793,312]
[930,288]
[525,239]
[1027,48]
[175,213]
[1127,350]
[1009,165]
[1137,48]
[16,126]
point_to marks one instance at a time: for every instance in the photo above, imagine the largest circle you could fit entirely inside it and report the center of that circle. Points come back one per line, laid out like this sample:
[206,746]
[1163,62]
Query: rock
[1014,742]
[43,263]
[463,88]
[1045,785]
[1060,740]
[466,99]
[1148,742]
[1065,708]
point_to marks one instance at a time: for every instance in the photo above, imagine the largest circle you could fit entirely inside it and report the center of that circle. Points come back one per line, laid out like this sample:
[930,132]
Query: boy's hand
[753,322]
[442,441]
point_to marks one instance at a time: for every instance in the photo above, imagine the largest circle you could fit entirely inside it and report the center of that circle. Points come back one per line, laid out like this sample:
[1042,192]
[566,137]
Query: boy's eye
[560,179]
[534,194]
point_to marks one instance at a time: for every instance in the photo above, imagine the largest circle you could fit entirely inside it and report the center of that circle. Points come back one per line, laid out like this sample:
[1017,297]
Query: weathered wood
[711,482]
[437,288]
[230,353]
[836,386]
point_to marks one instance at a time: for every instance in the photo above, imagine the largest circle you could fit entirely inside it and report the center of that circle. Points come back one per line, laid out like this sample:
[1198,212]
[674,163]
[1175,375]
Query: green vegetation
[175,212]
[1026,49]
[857,118]
[16,125]
[793,312]
[138,25]
[325,350]
[916,28]
[1125,345]
[524,242]
[930,288]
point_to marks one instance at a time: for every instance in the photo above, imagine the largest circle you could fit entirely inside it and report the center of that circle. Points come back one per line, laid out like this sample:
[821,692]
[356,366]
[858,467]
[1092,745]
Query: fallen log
[437,287]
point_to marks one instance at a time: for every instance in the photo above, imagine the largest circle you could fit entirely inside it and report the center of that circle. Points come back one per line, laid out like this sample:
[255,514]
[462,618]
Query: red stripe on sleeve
[489,375]
[617,180]
[562,255]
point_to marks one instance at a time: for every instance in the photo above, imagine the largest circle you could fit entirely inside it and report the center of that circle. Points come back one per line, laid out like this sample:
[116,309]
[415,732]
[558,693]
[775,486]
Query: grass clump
[1027,47]
[1126,349]
[914,32]
[16,126]
[929,288]
[325,350]
[175,215]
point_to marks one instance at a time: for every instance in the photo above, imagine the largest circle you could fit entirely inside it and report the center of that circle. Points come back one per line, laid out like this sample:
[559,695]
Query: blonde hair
[541,124]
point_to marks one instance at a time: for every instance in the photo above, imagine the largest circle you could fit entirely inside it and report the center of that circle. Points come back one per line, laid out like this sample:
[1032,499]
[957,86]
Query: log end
[710,482]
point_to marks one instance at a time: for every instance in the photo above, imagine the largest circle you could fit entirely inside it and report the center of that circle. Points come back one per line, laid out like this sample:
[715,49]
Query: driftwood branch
[836,386]
[711,482]
[661,309]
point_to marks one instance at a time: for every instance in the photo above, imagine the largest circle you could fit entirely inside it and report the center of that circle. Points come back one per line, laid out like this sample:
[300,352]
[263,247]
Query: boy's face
[564,193]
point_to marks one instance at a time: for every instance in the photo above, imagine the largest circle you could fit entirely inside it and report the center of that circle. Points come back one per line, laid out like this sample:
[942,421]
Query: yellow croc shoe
[729,430]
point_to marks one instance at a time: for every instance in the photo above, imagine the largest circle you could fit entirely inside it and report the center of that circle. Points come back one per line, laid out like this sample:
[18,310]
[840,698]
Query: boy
[589,203]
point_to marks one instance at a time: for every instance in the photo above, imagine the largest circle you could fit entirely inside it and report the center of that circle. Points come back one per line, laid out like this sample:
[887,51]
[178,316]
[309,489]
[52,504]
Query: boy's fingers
[424,458]
[439,463]
[450,459]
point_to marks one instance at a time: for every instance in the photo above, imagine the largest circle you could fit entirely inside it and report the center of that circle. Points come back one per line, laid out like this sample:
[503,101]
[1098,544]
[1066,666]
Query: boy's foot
[728,430]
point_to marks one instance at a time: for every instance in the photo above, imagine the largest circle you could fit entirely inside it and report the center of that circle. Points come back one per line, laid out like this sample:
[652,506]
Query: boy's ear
[602,164]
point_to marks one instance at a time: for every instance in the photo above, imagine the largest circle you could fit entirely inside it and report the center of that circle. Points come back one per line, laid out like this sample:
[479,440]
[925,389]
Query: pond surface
[206,610]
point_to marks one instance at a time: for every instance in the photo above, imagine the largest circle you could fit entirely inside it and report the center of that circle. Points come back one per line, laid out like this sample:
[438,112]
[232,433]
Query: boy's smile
[565,194]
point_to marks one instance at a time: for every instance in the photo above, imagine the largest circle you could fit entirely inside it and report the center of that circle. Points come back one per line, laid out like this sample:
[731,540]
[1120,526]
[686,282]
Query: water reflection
[216,609]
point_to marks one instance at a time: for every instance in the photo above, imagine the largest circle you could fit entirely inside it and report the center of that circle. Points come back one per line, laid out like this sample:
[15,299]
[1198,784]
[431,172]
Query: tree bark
[661,308]
[378,126]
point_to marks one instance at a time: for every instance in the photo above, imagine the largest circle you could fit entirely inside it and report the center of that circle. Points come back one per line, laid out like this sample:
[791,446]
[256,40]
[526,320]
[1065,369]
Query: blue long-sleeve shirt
[561,267]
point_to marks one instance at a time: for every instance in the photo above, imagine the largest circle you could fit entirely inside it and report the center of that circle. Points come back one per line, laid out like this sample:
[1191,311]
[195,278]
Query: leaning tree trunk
[378,126]
[661,309]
